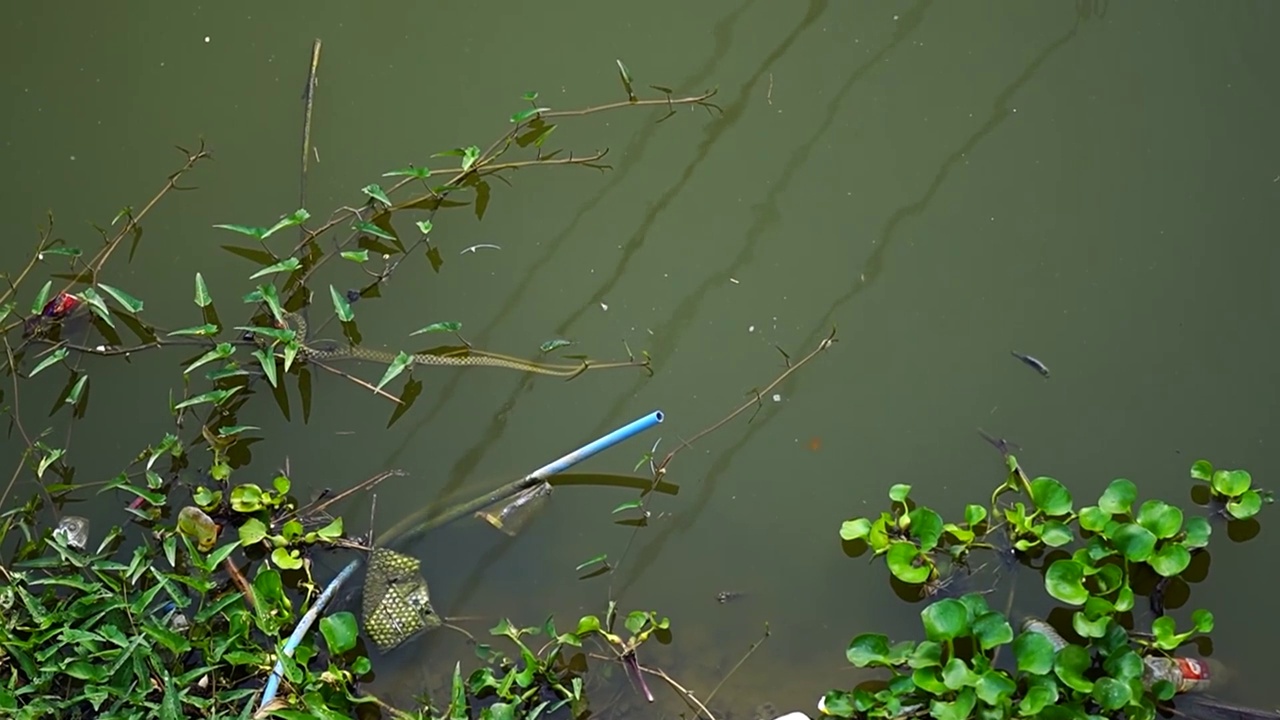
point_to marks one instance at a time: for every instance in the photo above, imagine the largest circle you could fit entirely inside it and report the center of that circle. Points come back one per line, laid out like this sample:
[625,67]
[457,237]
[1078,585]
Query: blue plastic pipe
[604,443]
[273,683]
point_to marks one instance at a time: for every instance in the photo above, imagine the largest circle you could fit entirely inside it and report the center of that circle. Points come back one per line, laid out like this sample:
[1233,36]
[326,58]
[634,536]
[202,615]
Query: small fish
[1034,363]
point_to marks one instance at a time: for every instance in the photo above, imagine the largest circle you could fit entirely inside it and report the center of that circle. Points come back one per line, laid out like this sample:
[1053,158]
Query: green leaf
[1135,541]
[964,535]
[1070,666]
[926,654]
[220,352]
[992,629]
[369,228]
[907,563]
[286,559]
[230,430]
[470,155]
[958,709]
[424,226]
[411,171]
[1056,534]
[206,330]
[974,514]
[994,687]
[956,674]
[898,492]
[1170,560]
[629,505]
[202,292]
[6,309]
[1087,628]
[252,531]
[551,345]
[376,192]
[246,498]
[855,529]
[402,361]
[447,326]
[268,362]
[42,298]
[356,256]
[1034,653]
[1198,530]
[1202,620]
[254,232]
[868,650]
[73,397]
[1231,483]
[51,359]
[339,631]
[1202,470]
[127,301]
[525,115]
[837,703]
[1162,519]
[332,531]
[945,619]
[340,305]
[929,679]
[289,264]
[1124,665]
[97,305]
[217,397]
[1112,694]
[926,527]
[1118,498]
[297,217]
[1094,519]
[1050,496]
[599,559]
[1245,506]
[1065,581]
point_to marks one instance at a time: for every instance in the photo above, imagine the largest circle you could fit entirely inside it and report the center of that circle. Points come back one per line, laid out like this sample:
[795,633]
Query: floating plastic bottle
[1188,675]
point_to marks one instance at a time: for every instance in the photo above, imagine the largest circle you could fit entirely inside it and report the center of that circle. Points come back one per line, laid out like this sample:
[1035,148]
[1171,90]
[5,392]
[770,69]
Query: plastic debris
[73,530]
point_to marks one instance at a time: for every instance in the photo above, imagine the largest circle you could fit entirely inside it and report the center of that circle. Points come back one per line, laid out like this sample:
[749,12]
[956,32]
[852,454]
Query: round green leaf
[994,687]
[1198,531]
[1202,620]
[992,629]
[1135,541]
[899,492]
[956,674]
[1087,628]
[1055,534]
[868,649]
[1112,694]
[856,529]
[246,498]
[958,709]
[926,527]
[1109,577]
[1202,470]
[907,563]
[1070,667]
[1170,560]
[838,703]
[974,514]
[339,630]
[286,559]
[946,619]
[926,654]
[1094,518]
[1065,581]
[1118,498]
[1042,691]
[1034,653]
[929,679]
[1124,599]
[1246,506]
[1161,518]
[1124,665]
[1050,496]
[1231,482]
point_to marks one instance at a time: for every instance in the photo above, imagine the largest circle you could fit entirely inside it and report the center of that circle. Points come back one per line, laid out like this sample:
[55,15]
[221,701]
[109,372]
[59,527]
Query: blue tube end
[657,416]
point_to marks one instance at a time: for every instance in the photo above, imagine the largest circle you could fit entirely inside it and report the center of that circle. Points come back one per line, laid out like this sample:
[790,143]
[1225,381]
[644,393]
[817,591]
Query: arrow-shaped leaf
[289,264]
[402,361]
[340,305]
[376,192]
[253,232]
[356,256]
[53,358]
[74,396]
[447,326]
[221,352]
[370,229]
[410,171]
[297,217]
[202,292]
[268,363]
[97,305]
[130,303]
[217,397]
[524,115]
[206,330]
[42,297]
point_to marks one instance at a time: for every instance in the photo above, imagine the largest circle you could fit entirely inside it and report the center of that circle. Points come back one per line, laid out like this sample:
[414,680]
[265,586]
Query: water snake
[473,357]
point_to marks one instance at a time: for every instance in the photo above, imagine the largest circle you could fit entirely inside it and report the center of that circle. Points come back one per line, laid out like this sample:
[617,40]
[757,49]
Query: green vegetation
[1092,558]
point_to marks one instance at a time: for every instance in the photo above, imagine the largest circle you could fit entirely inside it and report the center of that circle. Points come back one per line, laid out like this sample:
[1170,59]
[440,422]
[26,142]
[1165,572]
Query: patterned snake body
[472,358]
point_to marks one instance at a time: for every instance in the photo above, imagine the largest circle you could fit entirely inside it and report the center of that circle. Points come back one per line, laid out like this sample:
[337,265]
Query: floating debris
[1033,363]
[473,248]
[73,530]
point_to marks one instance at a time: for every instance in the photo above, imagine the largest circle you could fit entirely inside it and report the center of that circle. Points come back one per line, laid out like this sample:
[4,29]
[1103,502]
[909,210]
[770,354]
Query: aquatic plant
[1094,561]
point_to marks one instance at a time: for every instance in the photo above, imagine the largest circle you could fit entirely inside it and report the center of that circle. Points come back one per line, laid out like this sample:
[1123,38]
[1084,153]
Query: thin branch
[685,694]
[741,660]
[356,380]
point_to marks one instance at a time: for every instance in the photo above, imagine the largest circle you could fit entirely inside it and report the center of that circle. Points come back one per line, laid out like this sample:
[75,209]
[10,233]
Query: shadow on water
[653,549]
[732,112]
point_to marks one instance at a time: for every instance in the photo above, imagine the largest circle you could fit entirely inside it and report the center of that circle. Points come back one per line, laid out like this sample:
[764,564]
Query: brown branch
[314,508]
[685,694]
[741,660]
[356,380]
